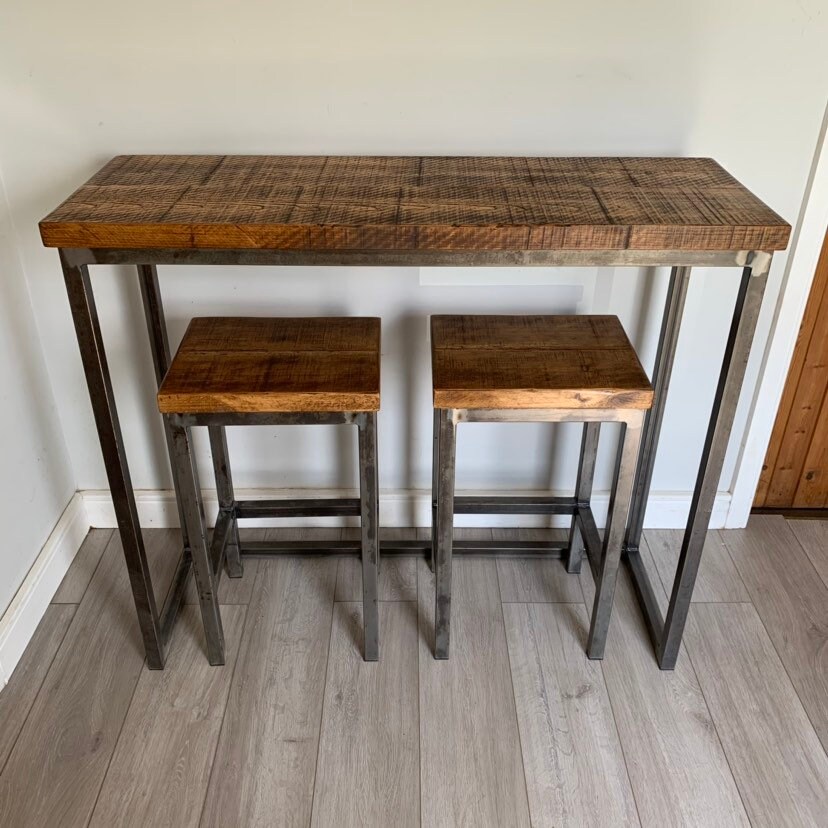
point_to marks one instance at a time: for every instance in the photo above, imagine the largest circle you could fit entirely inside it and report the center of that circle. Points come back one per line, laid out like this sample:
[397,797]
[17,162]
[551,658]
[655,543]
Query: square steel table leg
[667,635]
[93,356]
[728,390]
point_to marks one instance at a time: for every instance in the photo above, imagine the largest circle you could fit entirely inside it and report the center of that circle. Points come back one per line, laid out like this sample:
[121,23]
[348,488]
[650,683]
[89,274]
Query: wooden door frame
[806,245]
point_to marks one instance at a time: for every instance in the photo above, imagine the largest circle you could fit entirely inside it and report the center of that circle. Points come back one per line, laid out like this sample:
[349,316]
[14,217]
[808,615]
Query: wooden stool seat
[525,362]
[258,365]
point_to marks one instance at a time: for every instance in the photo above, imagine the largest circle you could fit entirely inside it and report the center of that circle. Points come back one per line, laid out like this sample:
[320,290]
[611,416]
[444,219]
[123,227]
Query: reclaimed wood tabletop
[410,203]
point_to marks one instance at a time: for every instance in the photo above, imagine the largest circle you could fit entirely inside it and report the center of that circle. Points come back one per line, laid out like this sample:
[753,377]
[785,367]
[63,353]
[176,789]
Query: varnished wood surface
[795,471]
[161,724]
[413,203]
[792,602]
[250,365]
[721,739]
[717,581]
[74,584]
[368,771]
[535,362]
[774,754]
[679,772]
[20,693]
[472,769]
[528,580]
[575,770]
[266,757]
[63,751]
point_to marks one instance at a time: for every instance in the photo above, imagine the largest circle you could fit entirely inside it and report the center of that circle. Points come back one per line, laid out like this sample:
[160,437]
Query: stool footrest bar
[479,548]
[308,507]
[514,505]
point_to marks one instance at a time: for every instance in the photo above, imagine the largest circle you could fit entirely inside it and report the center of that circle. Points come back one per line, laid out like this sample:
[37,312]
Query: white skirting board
[401,508]
[20,620]
[157,509]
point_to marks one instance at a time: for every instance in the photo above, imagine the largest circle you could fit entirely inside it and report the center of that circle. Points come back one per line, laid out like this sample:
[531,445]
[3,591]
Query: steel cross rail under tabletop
[244,210]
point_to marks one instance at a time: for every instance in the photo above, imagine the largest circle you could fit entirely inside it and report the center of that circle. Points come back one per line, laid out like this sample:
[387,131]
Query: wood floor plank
[679,772]
[80,573]
[368,772]
[813,537]
[55,771]
[161,765]
[18,695]
[234,590]
[266,756]
[792,602]
[775,755]
[717,580]
[536,581]
[575,770]
[471,765]
[397,577]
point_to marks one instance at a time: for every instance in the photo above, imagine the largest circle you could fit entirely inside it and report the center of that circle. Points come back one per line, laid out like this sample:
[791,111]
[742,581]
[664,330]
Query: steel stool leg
[614,533]
[444,531]
[435,487]
[187,476]
[369,497]
[226,498]
[583,493]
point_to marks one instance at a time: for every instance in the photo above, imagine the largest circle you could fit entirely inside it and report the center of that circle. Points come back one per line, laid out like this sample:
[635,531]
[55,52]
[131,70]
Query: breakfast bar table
[421,211]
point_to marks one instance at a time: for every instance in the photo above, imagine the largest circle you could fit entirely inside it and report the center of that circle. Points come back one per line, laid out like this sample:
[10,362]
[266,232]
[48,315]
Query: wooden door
[795,473]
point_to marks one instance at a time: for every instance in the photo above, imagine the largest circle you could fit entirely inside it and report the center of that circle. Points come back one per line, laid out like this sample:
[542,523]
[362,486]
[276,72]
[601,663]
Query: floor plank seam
[614,717]
[686,648]
[92,574]
[514,697]
[804,550]
[324,694]
[546,603]
[224,711]
[35,695]
[115,744]
[621,745]
[776,649]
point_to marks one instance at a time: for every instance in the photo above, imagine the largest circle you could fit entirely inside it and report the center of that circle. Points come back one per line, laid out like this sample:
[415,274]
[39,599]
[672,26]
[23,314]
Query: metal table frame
[666,631]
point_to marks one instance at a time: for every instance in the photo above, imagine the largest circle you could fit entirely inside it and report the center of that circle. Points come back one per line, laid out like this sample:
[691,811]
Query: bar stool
[537,369]
[287,371]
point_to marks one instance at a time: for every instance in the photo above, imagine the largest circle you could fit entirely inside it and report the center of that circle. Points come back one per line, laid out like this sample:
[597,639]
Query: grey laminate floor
[517,728]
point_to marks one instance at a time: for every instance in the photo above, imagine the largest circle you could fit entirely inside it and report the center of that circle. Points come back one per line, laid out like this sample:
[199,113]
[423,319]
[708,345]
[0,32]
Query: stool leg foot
[613,534]
[444,532]
[369,497]
[583,492]
[187,475]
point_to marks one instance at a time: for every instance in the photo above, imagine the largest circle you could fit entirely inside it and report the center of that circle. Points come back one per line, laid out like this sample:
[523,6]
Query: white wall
[743,81]
[36,478]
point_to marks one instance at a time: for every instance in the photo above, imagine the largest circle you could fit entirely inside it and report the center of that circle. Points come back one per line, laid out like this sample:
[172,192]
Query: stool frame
[226,548]
[603,557]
